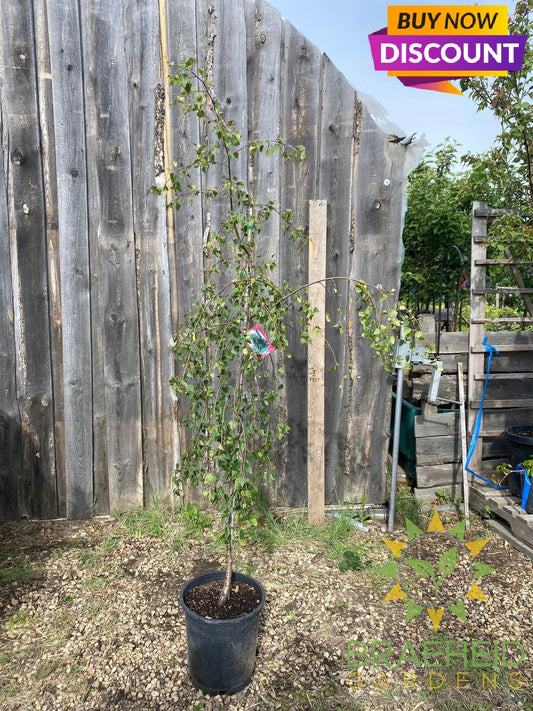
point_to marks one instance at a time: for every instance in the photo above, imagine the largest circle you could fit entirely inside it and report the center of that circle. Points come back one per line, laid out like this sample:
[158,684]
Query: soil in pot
[204,600]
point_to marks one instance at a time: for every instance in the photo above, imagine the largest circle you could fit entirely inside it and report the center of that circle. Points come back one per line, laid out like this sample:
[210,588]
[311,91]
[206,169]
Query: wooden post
[462,419]
[316,362]
[476,360]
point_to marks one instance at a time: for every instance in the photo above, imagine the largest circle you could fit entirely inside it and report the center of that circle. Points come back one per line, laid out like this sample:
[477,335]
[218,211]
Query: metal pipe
[395,445]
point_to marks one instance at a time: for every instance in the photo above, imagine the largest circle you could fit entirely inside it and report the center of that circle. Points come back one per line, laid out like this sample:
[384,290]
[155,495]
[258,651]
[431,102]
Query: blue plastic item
[475,434]
[527,486]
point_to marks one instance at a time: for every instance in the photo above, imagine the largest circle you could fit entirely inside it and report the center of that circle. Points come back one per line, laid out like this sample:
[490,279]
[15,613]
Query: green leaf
[448,562]
[459,530]
[390,569]
[480,570]
[423,568]
[458,609]
[412,530]
[412,610]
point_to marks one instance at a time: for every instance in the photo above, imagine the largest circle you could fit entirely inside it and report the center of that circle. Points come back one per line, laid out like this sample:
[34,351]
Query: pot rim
[515,430]
[218,575]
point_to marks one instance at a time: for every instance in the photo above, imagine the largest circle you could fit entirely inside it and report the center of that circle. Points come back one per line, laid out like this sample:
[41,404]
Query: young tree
[509,98]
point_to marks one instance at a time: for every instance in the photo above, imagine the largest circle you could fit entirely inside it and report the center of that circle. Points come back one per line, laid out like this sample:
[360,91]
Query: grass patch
[338,538]
[327,698]
[141,521]
[192,522]
[273,533]
[14,568]
[407,506]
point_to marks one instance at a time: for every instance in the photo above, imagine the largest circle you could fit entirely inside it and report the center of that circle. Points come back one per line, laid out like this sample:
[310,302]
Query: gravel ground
[90,620]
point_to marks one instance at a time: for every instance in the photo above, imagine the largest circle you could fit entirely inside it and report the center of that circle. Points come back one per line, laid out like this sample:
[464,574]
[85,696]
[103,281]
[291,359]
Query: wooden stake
[316,362]
[462,420]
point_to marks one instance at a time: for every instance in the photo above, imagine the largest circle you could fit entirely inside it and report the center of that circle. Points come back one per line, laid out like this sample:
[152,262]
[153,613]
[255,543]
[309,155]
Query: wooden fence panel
[153,270]
[335,167]
[264,26]
[11,482]
[186,227]
[97,274]
[231,90]
[186,237]
[26,209]
[379,186]
[114,303]
[48,155]
[300,100]
[68,99]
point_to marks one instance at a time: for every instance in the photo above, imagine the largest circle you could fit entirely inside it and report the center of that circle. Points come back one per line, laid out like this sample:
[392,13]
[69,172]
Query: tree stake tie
[475,434]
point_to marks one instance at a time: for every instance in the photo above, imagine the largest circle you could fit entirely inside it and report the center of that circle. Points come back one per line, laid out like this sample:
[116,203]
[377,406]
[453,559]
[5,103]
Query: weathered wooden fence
[96,273]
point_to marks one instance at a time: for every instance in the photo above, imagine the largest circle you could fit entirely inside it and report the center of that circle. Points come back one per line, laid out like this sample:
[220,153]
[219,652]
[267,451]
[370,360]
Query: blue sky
[340,28]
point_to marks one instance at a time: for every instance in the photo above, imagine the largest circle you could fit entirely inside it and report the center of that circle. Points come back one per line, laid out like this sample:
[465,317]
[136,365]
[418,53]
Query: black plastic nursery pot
[221,652]
[520,447]
[519,442]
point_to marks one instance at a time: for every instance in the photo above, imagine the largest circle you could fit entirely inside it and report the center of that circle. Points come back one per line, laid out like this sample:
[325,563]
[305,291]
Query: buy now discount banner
[427,47]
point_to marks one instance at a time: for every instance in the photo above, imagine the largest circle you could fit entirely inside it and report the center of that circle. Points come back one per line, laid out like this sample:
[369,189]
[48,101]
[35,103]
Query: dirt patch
[90,621]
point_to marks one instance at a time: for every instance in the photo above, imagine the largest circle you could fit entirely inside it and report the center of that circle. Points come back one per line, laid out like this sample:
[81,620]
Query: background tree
[444,186]
[439,211]
[510,99]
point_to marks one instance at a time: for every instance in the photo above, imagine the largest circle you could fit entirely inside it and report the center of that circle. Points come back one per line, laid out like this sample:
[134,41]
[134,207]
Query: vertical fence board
[376,259]
[114,303]
[335,184]
[300,125]
[186,238]
[29,259]
[230,87]
[48,156]
[264,116]
[11,489]
[68,94]
[186,227]
[153,277]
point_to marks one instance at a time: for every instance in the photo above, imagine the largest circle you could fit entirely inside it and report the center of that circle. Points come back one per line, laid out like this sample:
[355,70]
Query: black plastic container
[520,448]
[221,652]
[514,482]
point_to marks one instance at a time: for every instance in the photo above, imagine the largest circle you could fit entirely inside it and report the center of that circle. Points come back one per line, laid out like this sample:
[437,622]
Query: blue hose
[475,434]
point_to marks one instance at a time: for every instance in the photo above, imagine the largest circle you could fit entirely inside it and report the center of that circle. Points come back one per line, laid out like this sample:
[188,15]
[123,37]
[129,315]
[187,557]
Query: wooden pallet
[510,520]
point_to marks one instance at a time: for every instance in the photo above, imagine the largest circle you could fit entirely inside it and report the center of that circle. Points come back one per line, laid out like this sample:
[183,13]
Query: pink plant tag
[259,342]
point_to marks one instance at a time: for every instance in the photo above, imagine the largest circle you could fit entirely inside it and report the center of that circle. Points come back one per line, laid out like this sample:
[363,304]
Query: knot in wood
[17,156]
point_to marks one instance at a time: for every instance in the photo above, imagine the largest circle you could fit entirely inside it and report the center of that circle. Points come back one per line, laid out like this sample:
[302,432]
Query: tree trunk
[225,592]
